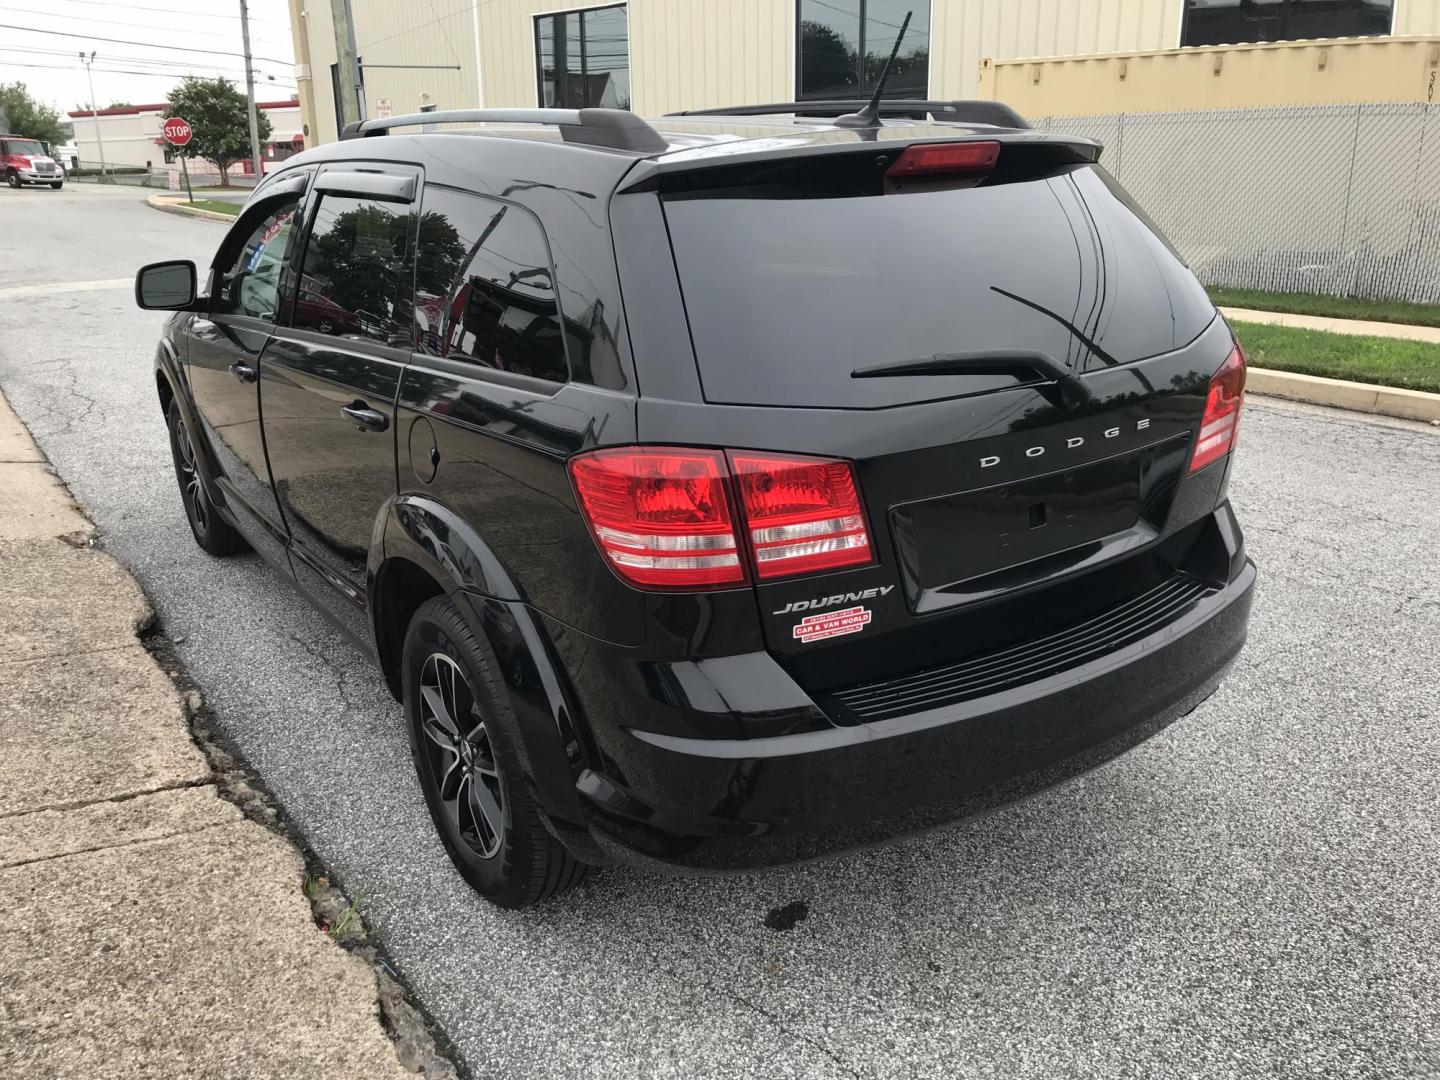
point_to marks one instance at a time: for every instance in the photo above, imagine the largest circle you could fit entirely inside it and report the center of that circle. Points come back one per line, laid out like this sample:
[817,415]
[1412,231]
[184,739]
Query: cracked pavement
[1255,892]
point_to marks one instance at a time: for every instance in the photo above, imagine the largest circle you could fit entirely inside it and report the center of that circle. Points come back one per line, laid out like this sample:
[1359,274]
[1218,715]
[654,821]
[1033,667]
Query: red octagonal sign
[177,132]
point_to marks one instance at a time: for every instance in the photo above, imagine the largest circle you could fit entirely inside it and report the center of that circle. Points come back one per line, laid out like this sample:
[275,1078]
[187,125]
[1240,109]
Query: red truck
[26,161]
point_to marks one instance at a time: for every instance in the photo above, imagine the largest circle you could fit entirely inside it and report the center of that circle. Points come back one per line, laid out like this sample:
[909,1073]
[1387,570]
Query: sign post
[177,133]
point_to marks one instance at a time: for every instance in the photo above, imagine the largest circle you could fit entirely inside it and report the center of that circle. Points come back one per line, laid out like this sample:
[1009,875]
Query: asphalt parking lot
[1255,892]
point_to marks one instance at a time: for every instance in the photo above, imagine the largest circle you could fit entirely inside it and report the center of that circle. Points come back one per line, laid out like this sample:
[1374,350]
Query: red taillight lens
[936,159]
[803,514]
[664,519]
[1221,423]
[661,515]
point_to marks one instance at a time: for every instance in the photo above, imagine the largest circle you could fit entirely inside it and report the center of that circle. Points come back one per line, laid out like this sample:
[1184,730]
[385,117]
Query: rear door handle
[243,372]
[366,418]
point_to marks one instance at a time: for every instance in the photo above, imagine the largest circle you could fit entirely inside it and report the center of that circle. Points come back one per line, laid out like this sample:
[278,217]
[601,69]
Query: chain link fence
[1337,199]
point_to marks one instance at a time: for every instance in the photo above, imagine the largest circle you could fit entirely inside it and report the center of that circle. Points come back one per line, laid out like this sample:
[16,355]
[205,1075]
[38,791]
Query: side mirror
[166,286]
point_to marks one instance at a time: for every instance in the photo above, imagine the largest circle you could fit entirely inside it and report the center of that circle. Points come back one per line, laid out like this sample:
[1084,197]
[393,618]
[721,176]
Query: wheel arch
[422,549]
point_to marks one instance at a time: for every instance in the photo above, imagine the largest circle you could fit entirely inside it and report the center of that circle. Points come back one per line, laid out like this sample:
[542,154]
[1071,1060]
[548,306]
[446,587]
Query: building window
[843,46]
[583,59]
[1234,22]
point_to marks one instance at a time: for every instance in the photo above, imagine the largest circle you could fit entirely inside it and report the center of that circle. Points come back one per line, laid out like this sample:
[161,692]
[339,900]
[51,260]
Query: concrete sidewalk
[149,928]
[1364,327]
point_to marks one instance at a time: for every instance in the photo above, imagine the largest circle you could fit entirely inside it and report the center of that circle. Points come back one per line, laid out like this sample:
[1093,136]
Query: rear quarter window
[485,287]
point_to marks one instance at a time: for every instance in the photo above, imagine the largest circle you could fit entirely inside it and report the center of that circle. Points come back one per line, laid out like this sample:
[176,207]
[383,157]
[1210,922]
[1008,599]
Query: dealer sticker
[831,624]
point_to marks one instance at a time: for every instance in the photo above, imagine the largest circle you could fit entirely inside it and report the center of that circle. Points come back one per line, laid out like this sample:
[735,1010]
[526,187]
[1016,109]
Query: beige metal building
[1047,57]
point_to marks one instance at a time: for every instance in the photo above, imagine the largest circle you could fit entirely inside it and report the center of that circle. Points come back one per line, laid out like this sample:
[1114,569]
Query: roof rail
[616,129]
[994,113]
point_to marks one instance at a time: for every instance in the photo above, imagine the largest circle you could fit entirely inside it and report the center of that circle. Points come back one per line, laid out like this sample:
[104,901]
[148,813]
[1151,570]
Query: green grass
[215,204]
[1334,307]
[1414,365]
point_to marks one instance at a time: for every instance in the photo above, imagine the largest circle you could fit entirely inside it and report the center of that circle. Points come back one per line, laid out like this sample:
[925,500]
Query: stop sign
[177,131]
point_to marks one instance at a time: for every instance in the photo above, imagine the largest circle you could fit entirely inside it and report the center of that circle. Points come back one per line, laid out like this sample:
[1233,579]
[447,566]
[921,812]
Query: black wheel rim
[190,489]
[461,756]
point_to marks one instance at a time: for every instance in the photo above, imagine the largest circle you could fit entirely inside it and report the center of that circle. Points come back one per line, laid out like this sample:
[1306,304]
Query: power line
[118,58]
[143,44]
[167,11]
[116,22]
[173,76]
[187,71]
[444,35]
[432,22]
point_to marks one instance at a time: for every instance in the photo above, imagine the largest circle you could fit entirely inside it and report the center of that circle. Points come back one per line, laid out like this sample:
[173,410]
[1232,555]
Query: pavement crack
[132,842]
[80,804]
[68,654]
[338,675]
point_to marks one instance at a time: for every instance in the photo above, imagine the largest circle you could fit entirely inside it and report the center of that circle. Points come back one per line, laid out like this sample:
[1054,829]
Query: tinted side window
[355,280]
[485,290]
[251,282]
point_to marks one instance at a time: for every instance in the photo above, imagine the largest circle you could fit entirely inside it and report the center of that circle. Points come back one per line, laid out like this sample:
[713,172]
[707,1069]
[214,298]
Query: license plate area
[971,545]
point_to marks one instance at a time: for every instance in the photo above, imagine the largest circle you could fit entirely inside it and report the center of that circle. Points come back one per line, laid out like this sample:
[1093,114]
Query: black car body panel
[1049,582]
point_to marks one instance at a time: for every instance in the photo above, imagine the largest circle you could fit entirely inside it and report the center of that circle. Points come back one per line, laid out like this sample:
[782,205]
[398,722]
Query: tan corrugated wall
[700,54]
[1417,17]
[684,54]
[1220,77]
[965,31]
[690,54]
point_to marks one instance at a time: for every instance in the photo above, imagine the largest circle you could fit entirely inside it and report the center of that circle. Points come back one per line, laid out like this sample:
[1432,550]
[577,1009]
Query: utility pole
[250,93]
[351,106]
[94,110]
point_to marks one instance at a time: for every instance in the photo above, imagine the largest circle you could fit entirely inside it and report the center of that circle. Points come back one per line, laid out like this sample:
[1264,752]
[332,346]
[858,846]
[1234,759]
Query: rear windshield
[787,296]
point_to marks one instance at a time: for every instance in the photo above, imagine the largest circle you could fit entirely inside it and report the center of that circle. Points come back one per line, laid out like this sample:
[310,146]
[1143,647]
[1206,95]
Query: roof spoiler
[992,113]
[614,129]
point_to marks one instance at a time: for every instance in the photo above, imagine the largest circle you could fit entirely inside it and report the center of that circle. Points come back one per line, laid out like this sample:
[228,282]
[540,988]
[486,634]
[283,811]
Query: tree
[119,105]
[216,109]
[21,114]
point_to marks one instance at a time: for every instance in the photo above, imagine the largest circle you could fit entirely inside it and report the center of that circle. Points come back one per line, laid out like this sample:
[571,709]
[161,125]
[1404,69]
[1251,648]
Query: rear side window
[485,287]
[355,280]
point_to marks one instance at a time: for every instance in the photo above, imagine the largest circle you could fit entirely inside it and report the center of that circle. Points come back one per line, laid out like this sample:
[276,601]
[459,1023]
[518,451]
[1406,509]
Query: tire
[13,179]
[325,326]
[465,746]
[214,535]
[58,186]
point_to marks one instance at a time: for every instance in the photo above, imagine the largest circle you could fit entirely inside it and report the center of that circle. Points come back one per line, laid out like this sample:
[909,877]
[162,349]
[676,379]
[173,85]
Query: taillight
[802,514]
[664,517]
[1221,423]
[937,159]
[660,515]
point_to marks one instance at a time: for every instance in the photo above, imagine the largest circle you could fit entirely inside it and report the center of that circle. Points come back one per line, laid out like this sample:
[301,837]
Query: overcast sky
[176,31]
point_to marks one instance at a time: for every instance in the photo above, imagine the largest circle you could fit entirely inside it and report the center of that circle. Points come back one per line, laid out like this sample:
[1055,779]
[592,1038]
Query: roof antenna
[869,116]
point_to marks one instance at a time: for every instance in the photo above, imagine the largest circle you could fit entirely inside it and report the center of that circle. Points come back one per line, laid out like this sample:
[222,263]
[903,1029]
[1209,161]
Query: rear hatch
[1013,357]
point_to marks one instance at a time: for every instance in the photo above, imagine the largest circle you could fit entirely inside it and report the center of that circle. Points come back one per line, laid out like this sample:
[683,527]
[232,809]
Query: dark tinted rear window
[787,296]
[487,290]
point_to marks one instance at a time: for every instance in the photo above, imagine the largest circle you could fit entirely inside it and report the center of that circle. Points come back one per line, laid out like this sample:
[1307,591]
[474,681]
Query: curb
[1342,394]
[161,202]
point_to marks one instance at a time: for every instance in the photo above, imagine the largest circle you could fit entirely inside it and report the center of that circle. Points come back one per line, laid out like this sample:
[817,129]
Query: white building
[132,135]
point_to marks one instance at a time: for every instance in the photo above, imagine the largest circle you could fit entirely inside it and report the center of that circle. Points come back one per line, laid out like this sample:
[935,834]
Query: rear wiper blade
[1064,389]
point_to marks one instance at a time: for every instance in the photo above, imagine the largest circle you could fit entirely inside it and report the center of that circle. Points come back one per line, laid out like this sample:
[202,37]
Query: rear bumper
[729,804]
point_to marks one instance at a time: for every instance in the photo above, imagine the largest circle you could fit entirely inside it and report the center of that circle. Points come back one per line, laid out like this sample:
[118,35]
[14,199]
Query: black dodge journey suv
[725,489]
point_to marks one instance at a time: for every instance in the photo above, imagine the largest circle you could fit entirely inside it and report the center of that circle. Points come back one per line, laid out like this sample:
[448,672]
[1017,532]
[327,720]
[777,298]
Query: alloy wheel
[193,493]
[461,756]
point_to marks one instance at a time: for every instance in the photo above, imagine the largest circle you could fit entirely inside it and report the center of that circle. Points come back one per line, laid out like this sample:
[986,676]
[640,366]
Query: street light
[94,112]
